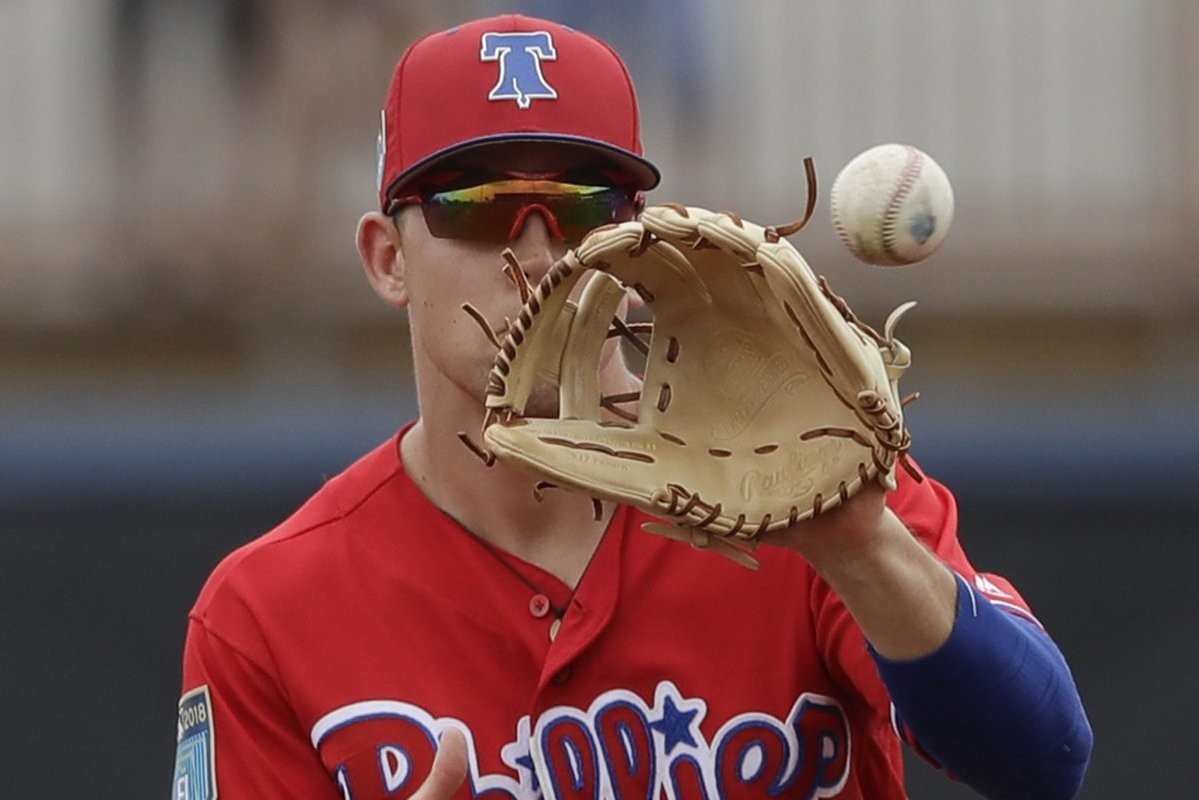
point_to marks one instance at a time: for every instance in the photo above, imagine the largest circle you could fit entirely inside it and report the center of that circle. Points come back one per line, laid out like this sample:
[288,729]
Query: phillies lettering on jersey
[520,56]
[619,747]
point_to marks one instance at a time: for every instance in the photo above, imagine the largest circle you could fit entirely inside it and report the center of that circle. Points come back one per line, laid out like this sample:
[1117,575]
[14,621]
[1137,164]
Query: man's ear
[379,247]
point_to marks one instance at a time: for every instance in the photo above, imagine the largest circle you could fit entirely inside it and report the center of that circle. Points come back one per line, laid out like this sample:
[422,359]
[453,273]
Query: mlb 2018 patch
[195,756]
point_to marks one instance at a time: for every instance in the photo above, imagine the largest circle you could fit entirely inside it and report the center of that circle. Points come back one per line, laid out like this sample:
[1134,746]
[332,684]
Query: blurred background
[188,346]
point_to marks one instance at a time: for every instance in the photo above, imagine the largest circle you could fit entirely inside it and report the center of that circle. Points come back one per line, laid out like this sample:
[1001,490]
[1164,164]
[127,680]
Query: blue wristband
[995,705]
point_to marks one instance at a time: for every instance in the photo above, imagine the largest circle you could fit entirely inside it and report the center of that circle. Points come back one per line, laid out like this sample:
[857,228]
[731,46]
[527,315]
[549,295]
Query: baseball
[892,205]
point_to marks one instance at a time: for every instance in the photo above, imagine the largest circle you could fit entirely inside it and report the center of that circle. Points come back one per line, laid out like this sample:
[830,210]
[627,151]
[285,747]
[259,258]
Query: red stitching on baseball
[911,171]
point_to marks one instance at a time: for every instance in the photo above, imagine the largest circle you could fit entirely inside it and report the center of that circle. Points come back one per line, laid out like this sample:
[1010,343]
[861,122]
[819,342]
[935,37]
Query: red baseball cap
[504,79]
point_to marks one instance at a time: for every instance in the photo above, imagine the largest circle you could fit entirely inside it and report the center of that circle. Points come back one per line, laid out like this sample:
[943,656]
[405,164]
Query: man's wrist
[902,596]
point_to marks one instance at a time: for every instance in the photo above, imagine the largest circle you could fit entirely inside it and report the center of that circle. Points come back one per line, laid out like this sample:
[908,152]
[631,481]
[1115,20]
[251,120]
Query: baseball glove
[765,401]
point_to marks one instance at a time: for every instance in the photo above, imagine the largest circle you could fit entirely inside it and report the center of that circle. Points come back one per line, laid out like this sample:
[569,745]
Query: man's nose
[534,243]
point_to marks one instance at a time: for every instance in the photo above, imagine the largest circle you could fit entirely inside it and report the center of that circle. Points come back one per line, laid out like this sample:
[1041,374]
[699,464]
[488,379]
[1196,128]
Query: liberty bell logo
[520,56]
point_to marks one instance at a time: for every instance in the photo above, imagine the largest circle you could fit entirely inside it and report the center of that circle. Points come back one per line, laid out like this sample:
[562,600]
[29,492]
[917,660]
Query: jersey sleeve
[237,735]
[929,511]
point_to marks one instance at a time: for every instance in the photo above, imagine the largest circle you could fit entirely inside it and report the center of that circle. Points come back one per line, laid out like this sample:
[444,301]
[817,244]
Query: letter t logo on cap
[520,56]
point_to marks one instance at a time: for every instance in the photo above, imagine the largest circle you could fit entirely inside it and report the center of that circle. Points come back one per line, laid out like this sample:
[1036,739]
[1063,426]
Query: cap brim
[641,171]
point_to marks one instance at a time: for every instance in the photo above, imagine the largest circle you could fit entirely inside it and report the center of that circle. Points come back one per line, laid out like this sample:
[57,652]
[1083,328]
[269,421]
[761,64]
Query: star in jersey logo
[518,756]
[677,718]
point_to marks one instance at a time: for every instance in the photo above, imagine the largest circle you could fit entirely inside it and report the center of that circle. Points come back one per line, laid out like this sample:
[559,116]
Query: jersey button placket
[539,605]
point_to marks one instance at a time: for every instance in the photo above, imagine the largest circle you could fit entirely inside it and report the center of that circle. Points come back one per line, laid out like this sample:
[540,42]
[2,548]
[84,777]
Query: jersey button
[539,605]
[562,676]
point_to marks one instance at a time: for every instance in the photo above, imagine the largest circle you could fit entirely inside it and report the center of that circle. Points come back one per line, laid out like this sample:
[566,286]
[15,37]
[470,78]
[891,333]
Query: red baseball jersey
[324,659]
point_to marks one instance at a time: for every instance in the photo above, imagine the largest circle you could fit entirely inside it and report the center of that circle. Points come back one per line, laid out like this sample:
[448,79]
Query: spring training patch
[195,756]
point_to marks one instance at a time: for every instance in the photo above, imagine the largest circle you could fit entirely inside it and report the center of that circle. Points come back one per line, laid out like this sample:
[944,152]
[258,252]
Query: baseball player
[425,627]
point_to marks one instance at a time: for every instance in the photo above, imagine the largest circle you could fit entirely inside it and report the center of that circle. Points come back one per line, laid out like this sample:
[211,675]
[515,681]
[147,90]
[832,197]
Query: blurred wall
[187,345]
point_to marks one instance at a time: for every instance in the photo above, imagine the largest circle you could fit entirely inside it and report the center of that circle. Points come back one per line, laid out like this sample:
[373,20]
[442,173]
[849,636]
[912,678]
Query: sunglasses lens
[457,215]
[489,212]
[579,214]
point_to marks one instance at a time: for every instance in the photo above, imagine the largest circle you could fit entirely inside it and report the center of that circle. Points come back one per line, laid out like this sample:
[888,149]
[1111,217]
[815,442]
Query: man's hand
[449,768]
[903,597]
[839,533]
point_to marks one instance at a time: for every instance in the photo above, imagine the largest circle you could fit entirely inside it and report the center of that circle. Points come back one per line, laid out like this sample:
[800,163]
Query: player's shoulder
[293,550]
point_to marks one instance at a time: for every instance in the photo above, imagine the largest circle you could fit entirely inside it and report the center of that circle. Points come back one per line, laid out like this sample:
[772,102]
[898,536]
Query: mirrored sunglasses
[497,210]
